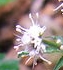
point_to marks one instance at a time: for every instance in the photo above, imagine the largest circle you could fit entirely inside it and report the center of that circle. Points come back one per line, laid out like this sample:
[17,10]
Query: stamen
[18,30]
[16,47]
[20,45]
[58,7]
[37,17]
[45,60]
[18,26]
[37,14]
[17,36]
[30,16]
[28,60]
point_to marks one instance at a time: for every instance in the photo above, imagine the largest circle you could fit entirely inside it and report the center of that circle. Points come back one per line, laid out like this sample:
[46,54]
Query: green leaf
[56,38]
[59,64]
[51,43]
[52,46]
[51,49]
[22,53]
[4,2]
[9,65]
[2,55]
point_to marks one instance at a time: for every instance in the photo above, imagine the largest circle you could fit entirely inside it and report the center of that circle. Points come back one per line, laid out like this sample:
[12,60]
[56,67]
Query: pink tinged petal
[18,30]
[17,36]
[30,16]
[16,47]
[18,26]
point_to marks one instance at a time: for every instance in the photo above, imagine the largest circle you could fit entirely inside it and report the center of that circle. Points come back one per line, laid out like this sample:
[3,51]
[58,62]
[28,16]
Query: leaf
[51,43]
[22,53]
[4,2]
[59,64]
[51,49]
[56,38]
[9,65]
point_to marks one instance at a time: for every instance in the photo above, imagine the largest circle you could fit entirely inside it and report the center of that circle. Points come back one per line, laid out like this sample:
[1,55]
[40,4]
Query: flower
[33,37]
[58,41]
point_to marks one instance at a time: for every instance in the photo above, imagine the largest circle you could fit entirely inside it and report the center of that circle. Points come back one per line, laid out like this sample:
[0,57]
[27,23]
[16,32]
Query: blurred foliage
[8,64]
[53,47]
[2,56]
[59,64]
[4,2]
[55,38]
[51,43]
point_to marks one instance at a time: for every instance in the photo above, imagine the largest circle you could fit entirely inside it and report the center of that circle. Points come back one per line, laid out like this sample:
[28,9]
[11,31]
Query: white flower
[33,35]
[61,47]
[58,41]
[35,30]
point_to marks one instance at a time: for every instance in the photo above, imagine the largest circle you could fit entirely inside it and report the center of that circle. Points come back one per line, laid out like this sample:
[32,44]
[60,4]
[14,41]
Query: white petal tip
[18,26]
[61,47]
[49,63]
[16,48]
[18,30]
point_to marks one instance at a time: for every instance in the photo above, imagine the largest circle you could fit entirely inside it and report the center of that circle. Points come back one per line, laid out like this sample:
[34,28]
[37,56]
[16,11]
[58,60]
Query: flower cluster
[33,37]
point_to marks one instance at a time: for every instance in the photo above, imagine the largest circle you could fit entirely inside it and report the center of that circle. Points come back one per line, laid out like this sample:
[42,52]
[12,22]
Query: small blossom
[58,41]
[30,36]
[61,47]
